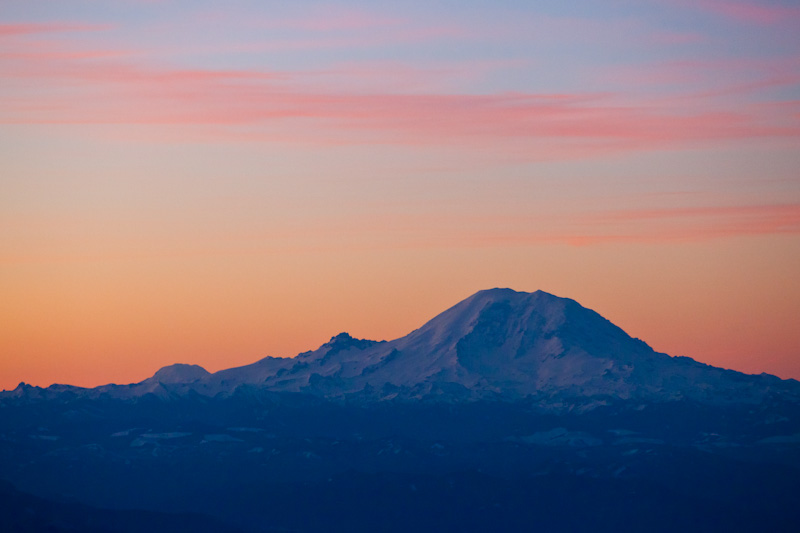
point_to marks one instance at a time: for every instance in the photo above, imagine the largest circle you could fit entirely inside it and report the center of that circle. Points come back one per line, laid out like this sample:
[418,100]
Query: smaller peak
[342,337]
[22,390]
[180,373]
[345,341]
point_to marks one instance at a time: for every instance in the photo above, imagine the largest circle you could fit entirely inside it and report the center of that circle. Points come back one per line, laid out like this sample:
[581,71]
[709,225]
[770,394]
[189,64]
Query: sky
[212,183]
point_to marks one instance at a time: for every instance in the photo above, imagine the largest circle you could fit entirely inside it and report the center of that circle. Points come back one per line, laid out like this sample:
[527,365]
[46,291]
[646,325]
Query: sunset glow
[181,182]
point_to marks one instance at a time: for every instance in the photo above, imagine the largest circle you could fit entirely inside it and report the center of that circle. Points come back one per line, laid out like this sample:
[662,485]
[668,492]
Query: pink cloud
[680,224]
[7,30]
[705,82]
[676,38]
[747,11]
[339,21]
[89,87]
[689,224]
[325,28]
[742,219]
[59,239]
[317,19]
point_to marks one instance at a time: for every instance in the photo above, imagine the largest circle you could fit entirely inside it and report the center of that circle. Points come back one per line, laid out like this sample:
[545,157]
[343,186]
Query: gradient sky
[184,182]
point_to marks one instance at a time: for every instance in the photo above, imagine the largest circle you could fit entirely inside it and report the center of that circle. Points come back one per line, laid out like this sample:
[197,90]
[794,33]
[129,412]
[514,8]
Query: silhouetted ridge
[497,343]
[180,373]
[344,341]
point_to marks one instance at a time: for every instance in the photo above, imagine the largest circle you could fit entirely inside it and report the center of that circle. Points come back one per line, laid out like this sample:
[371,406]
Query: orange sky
[731,303]
[180,183]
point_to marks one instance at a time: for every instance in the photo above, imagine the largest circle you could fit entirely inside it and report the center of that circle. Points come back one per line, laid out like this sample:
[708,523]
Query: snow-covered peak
[495,343]
[459,321]
[345,341]
[180,373]
[342,342]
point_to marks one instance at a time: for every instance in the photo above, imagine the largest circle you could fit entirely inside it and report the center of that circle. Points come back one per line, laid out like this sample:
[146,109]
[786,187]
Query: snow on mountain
[512,344]
[179,373]
[496,343]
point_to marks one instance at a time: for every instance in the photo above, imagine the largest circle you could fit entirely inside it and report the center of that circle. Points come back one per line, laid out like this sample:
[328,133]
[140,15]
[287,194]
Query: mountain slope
[497,343]
[512,344]
[509,411]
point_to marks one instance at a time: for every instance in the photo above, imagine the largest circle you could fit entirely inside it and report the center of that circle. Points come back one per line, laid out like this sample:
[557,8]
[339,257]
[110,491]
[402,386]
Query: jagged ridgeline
[497,343]
[510,411]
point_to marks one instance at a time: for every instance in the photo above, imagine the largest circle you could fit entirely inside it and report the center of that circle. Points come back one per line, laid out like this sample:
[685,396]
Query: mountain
[508,344]
[498,343]
[510,411]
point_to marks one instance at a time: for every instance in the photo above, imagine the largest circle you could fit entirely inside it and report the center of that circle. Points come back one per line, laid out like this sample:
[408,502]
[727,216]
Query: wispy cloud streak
[55,240]
[49,27]
[86,88]
[747,11]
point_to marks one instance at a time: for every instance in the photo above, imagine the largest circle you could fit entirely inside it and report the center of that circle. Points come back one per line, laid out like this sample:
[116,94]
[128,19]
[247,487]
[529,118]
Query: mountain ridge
[497,343]
[508,411]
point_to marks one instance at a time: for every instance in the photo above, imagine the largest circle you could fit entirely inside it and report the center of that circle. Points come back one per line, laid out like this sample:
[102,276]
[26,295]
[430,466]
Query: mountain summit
[498,343]
[509,344]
